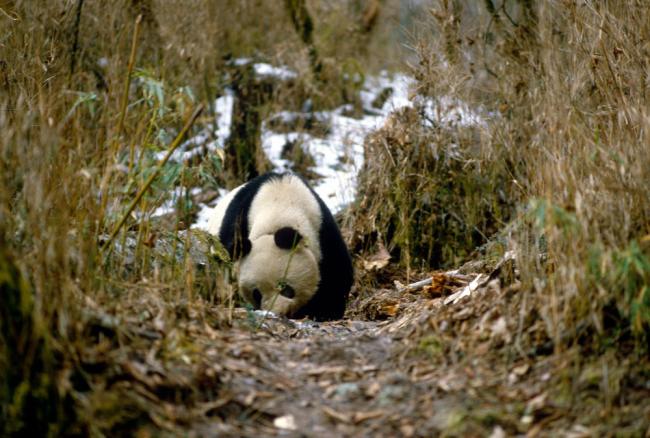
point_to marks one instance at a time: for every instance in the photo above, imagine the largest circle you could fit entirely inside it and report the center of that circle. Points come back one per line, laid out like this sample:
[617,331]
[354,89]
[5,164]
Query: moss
[30,401]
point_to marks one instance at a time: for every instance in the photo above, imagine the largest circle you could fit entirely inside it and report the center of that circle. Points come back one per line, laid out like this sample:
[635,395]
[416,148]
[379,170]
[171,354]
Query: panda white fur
[292,258]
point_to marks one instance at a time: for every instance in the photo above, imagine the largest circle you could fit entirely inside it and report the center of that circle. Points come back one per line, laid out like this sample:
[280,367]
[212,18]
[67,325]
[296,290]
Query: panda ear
[287,238]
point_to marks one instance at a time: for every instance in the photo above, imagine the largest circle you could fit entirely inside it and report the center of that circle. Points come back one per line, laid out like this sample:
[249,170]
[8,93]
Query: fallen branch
[429,280]
[480,281]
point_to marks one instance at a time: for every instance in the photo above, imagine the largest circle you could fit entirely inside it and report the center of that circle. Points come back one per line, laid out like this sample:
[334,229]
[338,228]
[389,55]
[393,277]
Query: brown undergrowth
[90,92]
[133,337]
[563,159]
[563,156]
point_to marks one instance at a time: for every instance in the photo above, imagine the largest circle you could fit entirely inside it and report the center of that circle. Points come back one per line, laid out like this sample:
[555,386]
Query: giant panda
[291,257]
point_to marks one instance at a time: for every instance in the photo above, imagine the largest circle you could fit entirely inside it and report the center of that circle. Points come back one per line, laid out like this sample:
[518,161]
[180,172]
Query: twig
[13,16]
[417,285]
[427,281]
[480,281]
[127,82]
[616,79]
[75,43]
[120,125]
[172,148]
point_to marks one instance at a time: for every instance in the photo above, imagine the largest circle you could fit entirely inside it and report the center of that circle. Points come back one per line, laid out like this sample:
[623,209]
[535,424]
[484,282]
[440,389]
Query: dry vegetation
[95,339]
[564,161]
[568,81]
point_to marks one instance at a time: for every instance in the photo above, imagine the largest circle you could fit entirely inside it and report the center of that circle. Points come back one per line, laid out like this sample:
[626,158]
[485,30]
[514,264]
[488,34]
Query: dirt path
[344,378]
[320,378]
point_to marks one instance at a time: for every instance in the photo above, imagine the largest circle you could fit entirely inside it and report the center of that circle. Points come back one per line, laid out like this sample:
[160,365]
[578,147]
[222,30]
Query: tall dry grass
[574,107]
[566,84]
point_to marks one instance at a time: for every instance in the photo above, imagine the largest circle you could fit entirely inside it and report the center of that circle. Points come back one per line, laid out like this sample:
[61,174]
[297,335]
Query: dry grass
[73,157]
[103,341]
[567,144]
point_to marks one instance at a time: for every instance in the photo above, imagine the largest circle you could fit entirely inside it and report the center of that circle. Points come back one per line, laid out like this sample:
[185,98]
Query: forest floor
[427,361]
[355,377]
[440,359]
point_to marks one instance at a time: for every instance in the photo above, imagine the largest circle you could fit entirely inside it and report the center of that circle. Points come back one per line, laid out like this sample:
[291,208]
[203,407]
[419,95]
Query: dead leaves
[352,418]
[287,422]
[388,309]
[442,284]
[445,283]
[378,260]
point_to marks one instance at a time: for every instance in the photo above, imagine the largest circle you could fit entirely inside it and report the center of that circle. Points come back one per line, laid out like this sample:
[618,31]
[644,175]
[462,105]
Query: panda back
[286,201]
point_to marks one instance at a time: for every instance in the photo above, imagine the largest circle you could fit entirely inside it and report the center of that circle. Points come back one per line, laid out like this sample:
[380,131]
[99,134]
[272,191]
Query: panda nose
[257,298]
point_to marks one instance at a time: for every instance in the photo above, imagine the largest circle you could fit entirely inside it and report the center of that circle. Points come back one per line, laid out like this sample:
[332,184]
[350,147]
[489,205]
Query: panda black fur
[292,258]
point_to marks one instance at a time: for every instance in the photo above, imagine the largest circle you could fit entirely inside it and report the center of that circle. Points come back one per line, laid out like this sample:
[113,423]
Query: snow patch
[264,70]
[338,155]
[449,112]
[194,146]
[268,71]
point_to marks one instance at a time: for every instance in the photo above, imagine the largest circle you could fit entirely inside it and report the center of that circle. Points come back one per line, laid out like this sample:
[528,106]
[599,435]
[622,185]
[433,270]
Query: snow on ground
[339,154]
[169,205]
[197,145]
[449,112]
[205,211]
[264,70]
[193,146]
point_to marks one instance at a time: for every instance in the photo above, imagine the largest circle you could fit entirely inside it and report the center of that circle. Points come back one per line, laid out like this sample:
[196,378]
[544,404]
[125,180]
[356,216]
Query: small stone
[286,422]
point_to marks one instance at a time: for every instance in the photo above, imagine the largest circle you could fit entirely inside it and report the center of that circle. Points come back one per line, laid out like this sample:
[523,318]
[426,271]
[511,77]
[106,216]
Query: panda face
[280,273]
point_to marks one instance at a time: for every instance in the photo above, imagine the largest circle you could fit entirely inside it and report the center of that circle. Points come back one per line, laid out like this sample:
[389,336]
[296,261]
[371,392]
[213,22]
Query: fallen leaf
[536,403]
[579,431]
[500,329]
[521,369]
[378,260]
[442,284]
[326,370]
[373,389]
[389,309]
[498,432]
[407,430]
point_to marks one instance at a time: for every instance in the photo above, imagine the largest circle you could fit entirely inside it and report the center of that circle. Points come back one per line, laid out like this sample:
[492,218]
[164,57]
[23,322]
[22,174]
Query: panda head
[278,272]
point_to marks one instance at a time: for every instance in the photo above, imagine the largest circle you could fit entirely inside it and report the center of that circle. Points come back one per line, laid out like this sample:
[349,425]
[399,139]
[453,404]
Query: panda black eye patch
[287,291]
[287,238]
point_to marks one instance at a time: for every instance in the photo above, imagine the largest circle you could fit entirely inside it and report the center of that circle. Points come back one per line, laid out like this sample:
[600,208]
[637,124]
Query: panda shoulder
[219,211]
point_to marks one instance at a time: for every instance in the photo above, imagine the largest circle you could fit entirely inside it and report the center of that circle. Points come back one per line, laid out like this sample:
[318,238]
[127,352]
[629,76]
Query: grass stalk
[161,164]
[127,81]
